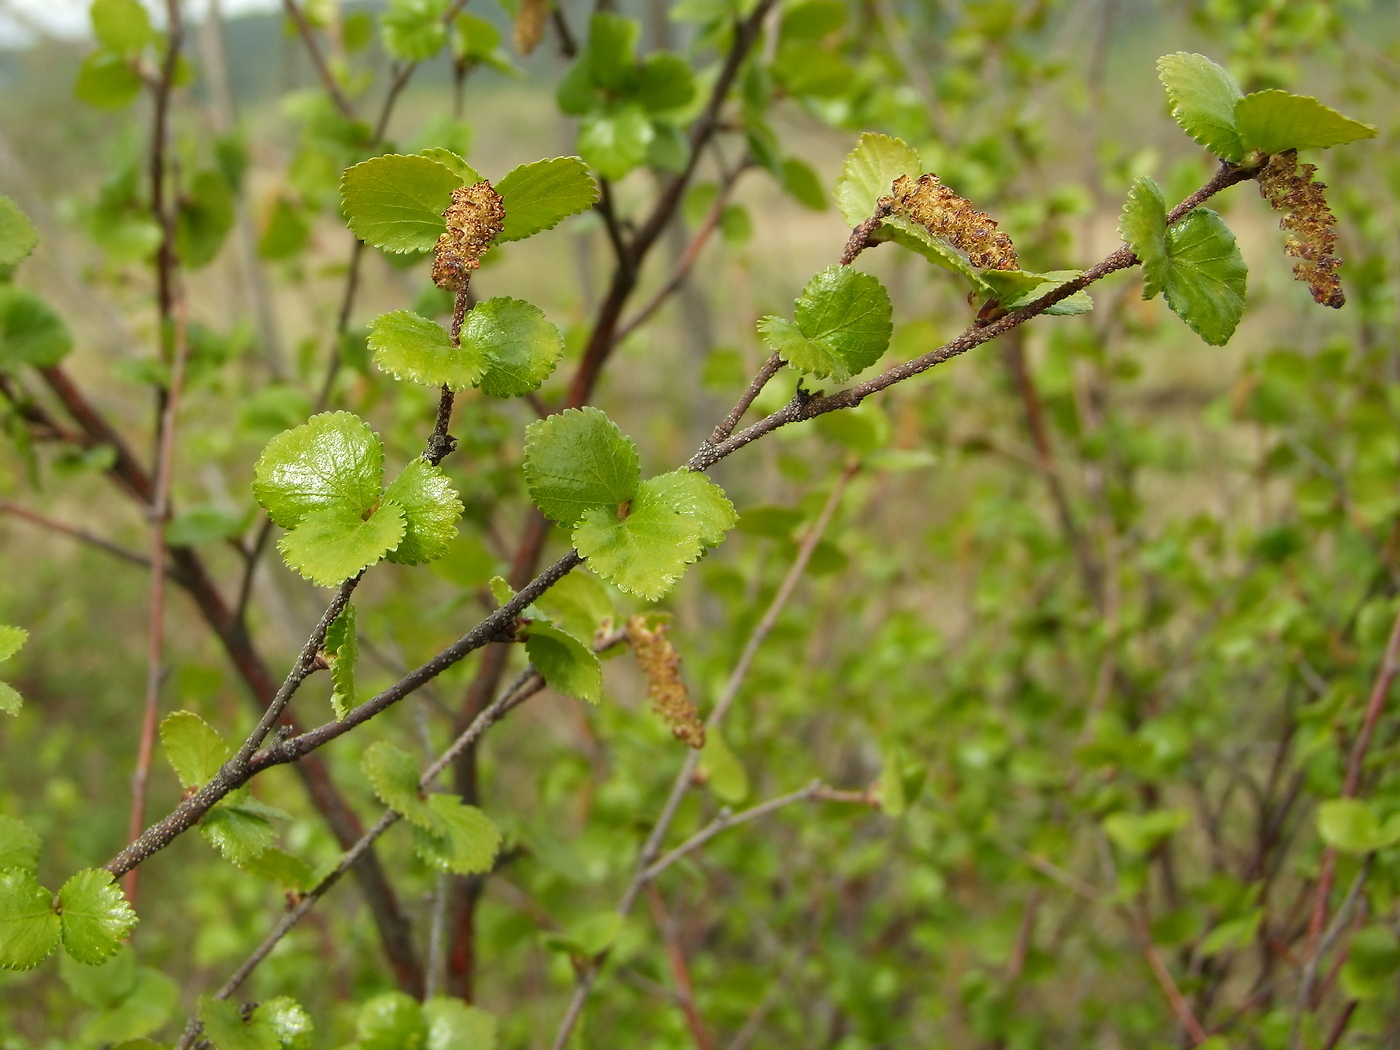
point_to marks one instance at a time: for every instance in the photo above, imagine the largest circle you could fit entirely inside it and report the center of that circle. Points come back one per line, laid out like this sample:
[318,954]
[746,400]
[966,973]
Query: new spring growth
[661,664]
[474,219]
[953,220]
[1289,187]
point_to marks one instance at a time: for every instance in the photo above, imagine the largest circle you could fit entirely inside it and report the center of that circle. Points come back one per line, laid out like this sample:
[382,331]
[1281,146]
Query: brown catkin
[1289,187]
[529,25]
[951,218]
[661,664]
[474,218]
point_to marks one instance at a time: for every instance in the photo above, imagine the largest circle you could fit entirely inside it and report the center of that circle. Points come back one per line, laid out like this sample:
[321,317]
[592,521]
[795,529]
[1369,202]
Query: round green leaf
[664,82]
[520,348]
[413,30]
[668,526]
[615,141]
[96,917]
[334,544]
[226,1028]
[1143,225]
[29,926]
[1205,283]
[289,1021]
[396,202]
[539,196]
[121,25]
[1273,121]
[393,773]
[392,1021]
[205,217]
[1203,97]
[455,1025]
[431,510]
[578,459]
[332,462]
[465,841]
[194,747]
[12,640]
[17,234]
[143,1009]
[612,46]
[869,173]
[107,80]
[1352,826]
[239,831]
[19,845]
[413,348]
[842,325]
[566,664]
[30,333]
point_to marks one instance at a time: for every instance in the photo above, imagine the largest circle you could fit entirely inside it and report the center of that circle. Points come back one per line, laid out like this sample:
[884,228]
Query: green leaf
[1141,832]
[612,43]
[289,1021]
[1203,97]
[1019,288]
[396,202]
[413,30]
[205,216]
[1273,121]
[449,160]
[17,234]
[668,526]
[1237,933]
[280,867]
[285,231]
[567,665]
[1352,826]
[415,349]
[1373,957]
[393,773]
[615,141]
[1143,225]
[334,544]
[579,604]
[100,986]
[578,459]
[342,652]
[869,172]
[226,1028]
[455,1025]
[141,1011]
[121,25]
[802,183]
[334,461]
[95,914]
[392,1021]
[29,926]
[725,775]
[1205,283]
[905,231]
[519,346]
[30,333]
[892,800]
[539,196]
[664,82]
[204,523]
[194,748]
[10,700]
[107,80]
[431,510]
[12,640]
[239,831]
[19,845]
[467,842]
[842,325]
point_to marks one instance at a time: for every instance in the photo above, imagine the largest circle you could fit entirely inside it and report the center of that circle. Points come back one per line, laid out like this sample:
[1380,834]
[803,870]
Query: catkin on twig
[1289,187]
[474,218]
[952,219]
[661,664]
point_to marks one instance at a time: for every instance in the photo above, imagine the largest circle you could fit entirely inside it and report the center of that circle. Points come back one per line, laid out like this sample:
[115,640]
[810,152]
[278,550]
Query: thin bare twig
[1324,945]
[51,525]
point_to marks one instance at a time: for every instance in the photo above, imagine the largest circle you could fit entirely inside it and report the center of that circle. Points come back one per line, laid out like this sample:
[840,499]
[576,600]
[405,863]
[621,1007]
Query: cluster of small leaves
[1195,262]
[30,332]
[1264,130]
[1289,187]
[323,481]
[583,472]
[110,77]
[629,108]
[89,915]
[661,664]
[240,827]
[447,834]
[395,1021]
